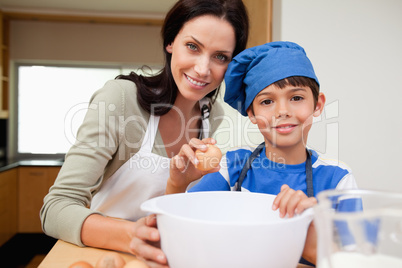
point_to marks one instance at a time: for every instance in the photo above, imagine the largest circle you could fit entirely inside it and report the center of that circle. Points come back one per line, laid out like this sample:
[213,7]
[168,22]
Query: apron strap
[309,175]
[152,128]
[247,166]
[256,153]
[205,111]
[150,134]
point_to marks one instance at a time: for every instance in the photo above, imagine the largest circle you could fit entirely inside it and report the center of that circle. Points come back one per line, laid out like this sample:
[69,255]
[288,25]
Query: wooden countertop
[64,254]
[9,164]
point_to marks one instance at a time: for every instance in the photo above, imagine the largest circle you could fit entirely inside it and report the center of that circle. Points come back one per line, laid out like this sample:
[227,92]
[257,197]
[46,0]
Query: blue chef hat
[258,67]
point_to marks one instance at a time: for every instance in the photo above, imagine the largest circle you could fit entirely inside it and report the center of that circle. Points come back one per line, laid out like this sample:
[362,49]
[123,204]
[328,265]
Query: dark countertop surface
[9,164]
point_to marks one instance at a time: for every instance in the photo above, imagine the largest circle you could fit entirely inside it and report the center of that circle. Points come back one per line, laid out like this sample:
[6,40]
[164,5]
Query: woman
[135,123]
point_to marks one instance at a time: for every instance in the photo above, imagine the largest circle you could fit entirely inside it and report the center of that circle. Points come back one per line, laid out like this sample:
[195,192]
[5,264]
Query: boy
[275,86]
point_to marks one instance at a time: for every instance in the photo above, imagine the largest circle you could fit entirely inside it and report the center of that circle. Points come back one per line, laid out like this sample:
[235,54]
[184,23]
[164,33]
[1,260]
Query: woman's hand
[292,202]
[145,244]
[183,169]
[140,238]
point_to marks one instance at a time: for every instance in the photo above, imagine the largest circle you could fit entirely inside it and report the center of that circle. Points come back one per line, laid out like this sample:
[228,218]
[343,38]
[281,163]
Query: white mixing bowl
[227,230]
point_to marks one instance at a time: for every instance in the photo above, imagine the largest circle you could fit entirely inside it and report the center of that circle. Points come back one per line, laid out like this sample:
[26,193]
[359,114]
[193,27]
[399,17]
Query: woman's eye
[192,46]
[222,57]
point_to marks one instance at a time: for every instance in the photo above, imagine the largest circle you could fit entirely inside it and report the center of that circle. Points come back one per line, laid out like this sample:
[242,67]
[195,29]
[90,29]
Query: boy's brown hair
[300,81]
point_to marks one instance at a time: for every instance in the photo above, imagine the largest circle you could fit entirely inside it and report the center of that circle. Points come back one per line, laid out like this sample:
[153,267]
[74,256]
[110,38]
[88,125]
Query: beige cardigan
[111,133]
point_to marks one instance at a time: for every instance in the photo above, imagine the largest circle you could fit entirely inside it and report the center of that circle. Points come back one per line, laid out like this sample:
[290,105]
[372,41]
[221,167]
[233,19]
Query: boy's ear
[320,104]
[251,115]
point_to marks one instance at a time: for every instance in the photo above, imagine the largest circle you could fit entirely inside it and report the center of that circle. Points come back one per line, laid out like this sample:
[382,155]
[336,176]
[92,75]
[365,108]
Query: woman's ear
[251,115]
[169,48]
[320,104]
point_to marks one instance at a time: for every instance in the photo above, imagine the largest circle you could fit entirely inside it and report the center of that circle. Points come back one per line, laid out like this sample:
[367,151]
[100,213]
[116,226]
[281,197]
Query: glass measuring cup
[358,228]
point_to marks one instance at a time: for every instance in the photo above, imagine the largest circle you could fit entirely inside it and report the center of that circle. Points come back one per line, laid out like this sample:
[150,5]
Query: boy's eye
[266,102]
[297,98]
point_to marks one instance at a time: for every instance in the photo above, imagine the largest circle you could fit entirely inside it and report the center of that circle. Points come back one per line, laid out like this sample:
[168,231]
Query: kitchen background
[355,46]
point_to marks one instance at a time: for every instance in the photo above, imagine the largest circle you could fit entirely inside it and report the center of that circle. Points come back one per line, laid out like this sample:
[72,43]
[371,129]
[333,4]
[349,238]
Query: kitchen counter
[9,164]
[64,254]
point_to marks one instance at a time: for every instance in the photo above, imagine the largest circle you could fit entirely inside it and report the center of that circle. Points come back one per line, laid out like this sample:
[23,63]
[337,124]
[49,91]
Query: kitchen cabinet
[4,66]
[33,185]
[8,205]
[260,16]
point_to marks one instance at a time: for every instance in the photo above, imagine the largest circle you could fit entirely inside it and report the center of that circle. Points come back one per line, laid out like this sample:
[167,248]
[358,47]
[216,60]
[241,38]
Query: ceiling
[108,7]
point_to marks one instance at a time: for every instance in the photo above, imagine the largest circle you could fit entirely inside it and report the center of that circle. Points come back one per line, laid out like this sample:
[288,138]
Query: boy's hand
[292,202]
[183,169]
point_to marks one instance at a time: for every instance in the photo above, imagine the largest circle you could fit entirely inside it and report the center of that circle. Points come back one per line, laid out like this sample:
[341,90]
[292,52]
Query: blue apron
[309,177]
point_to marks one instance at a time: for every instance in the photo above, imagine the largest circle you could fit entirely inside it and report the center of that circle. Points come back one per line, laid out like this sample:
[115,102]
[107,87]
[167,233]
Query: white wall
[356,49]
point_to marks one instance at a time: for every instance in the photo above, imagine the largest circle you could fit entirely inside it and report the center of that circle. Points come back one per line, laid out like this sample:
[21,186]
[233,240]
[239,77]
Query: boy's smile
[284,115]
[285,128]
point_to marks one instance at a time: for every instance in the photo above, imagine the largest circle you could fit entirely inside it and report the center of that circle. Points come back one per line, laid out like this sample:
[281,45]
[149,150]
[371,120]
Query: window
[50,105]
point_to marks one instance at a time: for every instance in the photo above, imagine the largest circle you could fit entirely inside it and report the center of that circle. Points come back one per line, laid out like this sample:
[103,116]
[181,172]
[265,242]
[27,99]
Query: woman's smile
[201,53]
[195,82]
